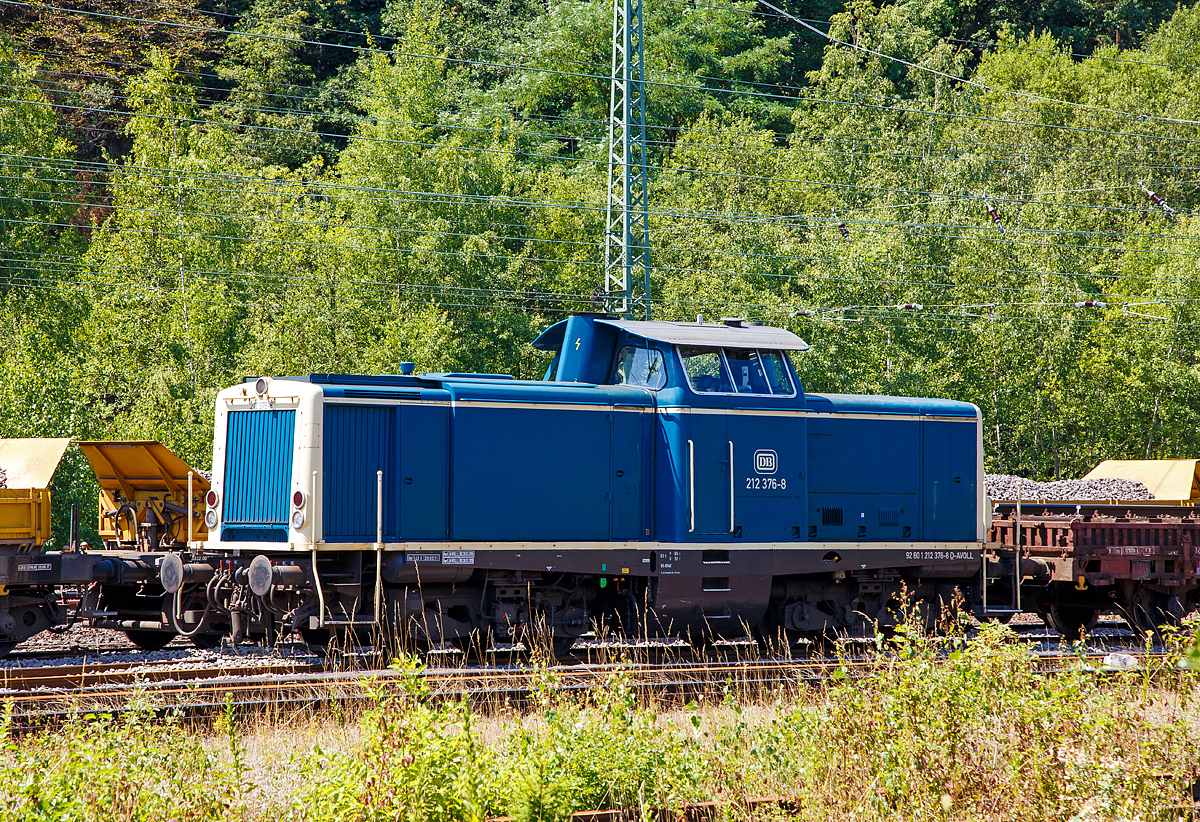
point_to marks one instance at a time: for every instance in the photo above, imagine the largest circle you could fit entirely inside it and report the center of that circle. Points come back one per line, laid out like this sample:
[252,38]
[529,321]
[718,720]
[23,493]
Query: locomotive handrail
[378,543]
[320,593]
[691,486]
[731,486]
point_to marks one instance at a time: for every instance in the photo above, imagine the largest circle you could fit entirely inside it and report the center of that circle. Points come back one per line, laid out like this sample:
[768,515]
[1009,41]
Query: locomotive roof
[710,334]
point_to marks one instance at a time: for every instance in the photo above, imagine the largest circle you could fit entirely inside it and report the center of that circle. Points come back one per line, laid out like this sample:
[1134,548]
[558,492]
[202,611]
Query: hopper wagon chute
[144,493]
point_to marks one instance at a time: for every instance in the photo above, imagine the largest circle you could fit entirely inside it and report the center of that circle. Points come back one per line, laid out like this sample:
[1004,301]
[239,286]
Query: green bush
[101,770]
[601,751]
[974,730]
[928,728]
[417,762]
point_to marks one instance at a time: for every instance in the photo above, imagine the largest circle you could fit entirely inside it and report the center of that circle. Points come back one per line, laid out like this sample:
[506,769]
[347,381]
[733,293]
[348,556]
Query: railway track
[60,693]
[85,676]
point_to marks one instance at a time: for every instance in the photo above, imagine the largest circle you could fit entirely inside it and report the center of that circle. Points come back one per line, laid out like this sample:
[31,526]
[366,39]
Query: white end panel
[307,462]
[307,401]
[220,432]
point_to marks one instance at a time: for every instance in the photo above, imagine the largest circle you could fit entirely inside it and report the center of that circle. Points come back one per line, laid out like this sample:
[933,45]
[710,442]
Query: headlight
[297,519]
[210,519]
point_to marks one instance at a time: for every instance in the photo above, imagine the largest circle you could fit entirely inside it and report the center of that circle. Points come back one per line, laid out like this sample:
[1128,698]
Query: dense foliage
[190,193]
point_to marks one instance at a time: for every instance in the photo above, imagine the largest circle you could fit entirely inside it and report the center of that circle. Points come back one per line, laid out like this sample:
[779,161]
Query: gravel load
[1004,487]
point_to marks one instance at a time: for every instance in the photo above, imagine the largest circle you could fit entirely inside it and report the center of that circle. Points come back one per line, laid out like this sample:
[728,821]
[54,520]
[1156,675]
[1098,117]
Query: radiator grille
[258,475]
[831,516]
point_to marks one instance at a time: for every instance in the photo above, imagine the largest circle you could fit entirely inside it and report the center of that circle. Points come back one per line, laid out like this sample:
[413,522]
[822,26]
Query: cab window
[705,368]
[776,371]
[640,366]
[747,370]
[736,371]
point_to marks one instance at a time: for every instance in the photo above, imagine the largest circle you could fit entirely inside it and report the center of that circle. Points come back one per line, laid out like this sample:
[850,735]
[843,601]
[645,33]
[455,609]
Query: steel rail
[269,690]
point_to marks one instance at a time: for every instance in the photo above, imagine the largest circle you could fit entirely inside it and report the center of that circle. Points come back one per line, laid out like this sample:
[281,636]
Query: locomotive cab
[729,459]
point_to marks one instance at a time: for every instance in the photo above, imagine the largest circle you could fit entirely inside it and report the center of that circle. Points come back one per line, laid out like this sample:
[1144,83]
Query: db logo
[766,461]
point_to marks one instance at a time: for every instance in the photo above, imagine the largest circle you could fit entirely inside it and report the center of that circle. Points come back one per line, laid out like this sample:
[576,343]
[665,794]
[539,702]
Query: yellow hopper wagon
[26,468]
[150,501]
[31,574]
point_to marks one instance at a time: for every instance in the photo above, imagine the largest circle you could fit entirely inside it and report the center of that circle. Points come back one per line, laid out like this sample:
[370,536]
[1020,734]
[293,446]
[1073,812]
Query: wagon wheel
[150,640]
[317,637]
[205,641]
[1072,621]
[1149,614]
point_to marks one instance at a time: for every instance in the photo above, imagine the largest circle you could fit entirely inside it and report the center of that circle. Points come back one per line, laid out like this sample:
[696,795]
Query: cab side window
[706,370]
[641,367]
[736,371]
[777,373]
[747,370]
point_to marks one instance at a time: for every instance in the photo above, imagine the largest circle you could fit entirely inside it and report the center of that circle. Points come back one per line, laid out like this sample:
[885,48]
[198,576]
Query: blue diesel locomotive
[669,478]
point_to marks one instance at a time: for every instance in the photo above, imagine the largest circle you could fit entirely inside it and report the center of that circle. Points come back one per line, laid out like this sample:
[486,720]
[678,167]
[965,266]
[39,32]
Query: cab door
[710,492]
[632,443]
[769,459]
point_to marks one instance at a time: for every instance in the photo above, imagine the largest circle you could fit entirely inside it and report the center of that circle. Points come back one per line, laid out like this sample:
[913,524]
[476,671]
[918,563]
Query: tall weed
[931,728]
[956,729]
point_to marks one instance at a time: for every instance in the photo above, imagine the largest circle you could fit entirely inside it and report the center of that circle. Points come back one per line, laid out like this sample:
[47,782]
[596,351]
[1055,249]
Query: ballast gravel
[1004,487]
[183,658]
[93,646]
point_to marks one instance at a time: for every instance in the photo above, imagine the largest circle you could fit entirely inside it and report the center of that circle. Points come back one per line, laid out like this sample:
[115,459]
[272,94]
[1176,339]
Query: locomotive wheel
[317,637]
[474,647]
[150,640]
[776,642]
[770,642]
[6,648]
[923,614]
[702,644]
[1072,621]
[205,641]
